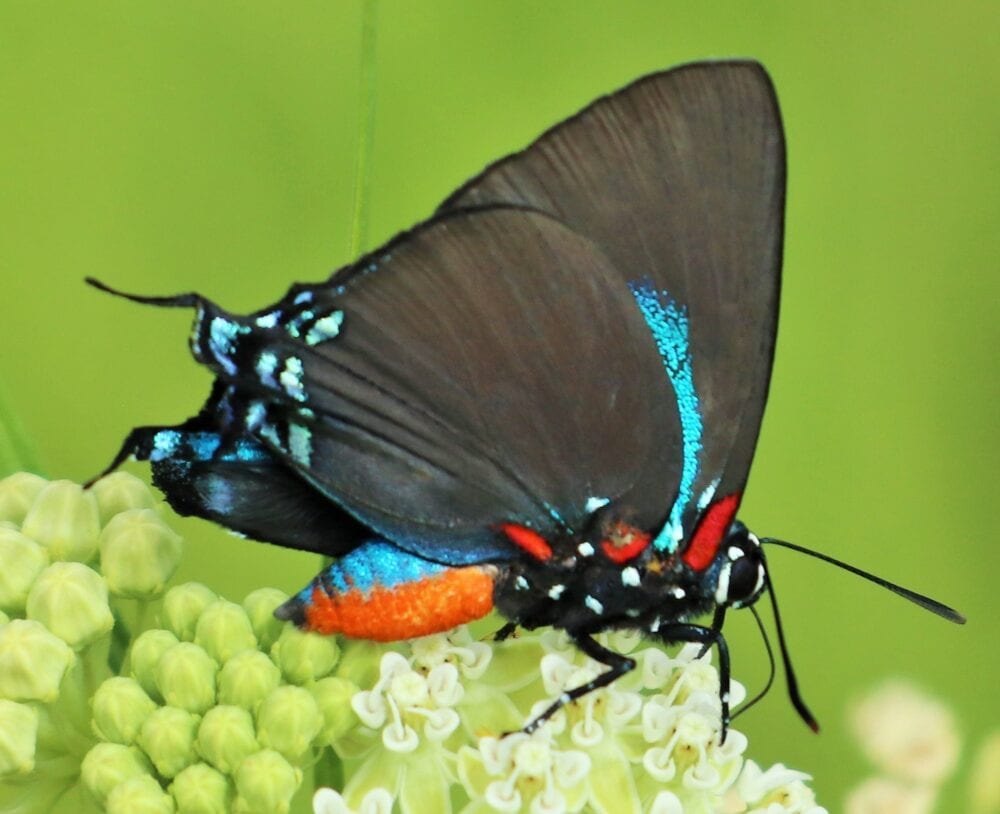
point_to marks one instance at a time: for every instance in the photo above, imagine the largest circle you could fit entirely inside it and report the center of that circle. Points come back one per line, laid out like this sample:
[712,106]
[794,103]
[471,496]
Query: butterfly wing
[679,178]
[487,367]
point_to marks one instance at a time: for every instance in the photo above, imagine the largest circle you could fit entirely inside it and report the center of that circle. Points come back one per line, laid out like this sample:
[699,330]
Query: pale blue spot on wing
[300,443]
[222,336]
[668,323]
[325,328]
[291,378]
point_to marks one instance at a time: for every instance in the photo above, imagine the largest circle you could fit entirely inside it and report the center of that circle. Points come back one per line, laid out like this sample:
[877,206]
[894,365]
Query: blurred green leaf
[16,452]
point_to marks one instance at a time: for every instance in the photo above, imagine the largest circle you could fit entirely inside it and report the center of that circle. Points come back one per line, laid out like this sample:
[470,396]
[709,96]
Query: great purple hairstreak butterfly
[544,399]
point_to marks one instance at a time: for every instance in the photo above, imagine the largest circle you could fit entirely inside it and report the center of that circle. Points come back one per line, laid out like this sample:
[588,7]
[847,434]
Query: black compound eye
[744,578]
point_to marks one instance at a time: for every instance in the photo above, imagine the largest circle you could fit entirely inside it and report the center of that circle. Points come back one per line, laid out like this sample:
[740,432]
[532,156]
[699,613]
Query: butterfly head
[738,574]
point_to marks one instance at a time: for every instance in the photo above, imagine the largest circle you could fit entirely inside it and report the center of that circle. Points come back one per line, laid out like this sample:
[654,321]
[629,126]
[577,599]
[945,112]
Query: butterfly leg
[618,665]
[707,637]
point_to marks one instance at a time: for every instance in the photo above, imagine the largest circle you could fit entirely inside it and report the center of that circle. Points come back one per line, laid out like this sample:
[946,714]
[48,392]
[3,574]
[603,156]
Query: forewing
[679,178]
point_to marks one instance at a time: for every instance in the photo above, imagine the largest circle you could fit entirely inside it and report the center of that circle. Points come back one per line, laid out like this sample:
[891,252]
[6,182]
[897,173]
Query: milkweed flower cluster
[119,695]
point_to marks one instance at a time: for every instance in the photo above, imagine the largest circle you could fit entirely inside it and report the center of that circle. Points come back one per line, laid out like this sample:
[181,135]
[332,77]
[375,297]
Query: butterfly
[544,399]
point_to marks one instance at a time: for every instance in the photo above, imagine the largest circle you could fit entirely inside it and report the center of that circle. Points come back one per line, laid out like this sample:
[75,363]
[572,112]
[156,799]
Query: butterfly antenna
[924,602]
[790,680]
[189,300]
[770,659]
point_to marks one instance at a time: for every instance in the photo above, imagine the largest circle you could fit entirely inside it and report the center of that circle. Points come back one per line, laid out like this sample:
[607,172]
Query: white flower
[907,734]
[883,795]
[328,801]
[779,790]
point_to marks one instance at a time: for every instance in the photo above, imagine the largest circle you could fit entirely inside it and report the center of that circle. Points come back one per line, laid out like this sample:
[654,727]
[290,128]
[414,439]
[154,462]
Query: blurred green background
[165,147]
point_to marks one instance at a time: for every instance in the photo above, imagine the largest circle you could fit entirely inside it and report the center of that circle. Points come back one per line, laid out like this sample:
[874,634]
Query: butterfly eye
[746,578]
[741,576]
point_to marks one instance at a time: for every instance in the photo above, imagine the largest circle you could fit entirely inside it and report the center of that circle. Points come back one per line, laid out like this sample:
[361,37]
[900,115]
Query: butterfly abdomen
[383,593]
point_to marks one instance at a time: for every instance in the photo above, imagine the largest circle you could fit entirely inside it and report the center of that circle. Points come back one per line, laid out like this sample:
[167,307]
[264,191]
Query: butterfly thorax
[615,579]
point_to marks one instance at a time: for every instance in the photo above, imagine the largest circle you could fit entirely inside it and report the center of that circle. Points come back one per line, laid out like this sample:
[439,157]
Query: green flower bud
[146,653]
[288,721]
[139,795]
[183,605]
[185,676]
[167,737]
[247,679]
[21,561]
[139,554]
[64,519]
[200,789]
[119,492]
[120,707]
[223,629]
[32,661]
[18,729]
[266,782]
[17,493]
[226,736]
[108,765]
[71,600]
[333,697]
[361,661]
[304,656]
[260,605]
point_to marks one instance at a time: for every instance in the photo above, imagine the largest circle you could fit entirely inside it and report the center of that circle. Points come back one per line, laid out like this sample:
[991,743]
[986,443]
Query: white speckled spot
[630,577]
[303,296]
[521,583]
[325,328]
[594,604]
[678,593]
[585,549]
[268,320]
[595,503]
[556,591]
[267,364]
[291,378]
[735,552]
[300,443]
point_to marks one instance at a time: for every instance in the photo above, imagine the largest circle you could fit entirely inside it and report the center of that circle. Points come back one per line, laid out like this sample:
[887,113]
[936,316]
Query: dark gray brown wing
[680,179]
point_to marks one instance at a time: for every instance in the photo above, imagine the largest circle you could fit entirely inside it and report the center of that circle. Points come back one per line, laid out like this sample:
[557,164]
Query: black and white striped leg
[706,636]
[618,665]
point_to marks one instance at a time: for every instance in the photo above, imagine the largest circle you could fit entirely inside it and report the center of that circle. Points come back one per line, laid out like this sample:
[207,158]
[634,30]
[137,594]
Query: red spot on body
[528,539]
[624,543]
[430,605]
[711,529]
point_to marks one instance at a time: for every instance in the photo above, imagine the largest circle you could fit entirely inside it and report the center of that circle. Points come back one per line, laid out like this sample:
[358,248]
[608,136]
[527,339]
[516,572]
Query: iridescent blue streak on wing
[668,323]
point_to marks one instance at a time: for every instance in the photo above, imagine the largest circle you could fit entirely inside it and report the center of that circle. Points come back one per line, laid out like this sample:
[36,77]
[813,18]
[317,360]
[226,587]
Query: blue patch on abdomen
[376,563]
[668,323]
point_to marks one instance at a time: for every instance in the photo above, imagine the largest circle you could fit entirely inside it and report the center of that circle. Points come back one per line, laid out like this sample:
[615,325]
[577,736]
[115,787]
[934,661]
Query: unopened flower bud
[223,629]
[146,653]
[21,561]
[266,782]
[108,765]
[139,795]
[247,679]
[168,737]
[119,492]
[64,519]
[18,729]
[120,707]
[139,554]
[17,494]
[200,789]
[71,600]
[288,721]
[304,656]
[183,605]
[260,605]
[333,697]
[185,676]
[226,736]
[32,661]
